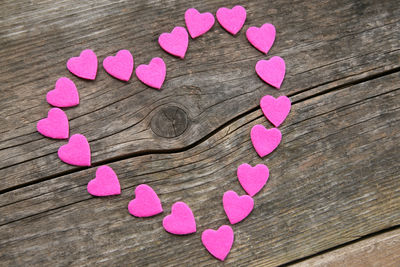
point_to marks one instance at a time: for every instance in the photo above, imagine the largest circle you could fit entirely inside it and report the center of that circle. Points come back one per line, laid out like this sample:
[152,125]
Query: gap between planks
[297,99]
[312,260]
[341,108]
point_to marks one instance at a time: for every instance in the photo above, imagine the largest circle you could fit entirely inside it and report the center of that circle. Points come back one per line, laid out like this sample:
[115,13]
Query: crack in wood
[168,151]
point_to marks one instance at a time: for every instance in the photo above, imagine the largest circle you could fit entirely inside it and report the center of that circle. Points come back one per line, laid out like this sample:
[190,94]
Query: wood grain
[377,251]
[333,179]
[325,44]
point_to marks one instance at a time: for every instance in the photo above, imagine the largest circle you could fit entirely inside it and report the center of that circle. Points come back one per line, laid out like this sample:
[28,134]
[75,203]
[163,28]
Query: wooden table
[334,187]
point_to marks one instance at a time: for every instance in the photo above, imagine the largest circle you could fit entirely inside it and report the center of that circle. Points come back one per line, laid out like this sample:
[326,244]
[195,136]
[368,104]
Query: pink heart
[76,152]
[64,94]
[119,66]
[105,183]
[55,125]
[84,66]
[181,220]
[262,38]
[265,141]
[272,71]
[153,74]
[176,42]
[233,19]
[275,109]
[146,202]
[198,23]
[219,242]
[236,207]
[251,178]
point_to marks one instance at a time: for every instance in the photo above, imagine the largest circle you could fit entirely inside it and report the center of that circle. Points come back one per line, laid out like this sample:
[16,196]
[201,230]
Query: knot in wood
[169,122]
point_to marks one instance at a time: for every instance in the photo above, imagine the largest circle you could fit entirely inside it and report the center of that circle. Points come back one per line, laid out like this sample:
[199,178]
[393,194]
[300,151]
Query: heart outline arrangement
[146,203]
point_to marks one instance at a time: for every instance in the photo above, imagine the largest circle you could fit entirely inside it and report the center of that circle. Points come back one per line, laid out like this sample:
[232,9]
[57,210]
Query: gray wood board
[325,44]
[378,250]
[334,178]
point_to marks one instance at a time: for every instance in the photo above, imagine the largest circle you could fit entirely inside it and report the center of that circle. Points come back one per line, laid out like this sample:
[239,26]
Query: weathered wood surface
[325,44]
[334,178]
[377,251]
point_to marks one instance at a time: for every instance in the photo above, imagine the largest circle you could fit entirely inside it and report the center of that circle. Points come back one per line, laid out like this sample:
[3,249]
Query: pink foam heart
[146,202]
[262,38]
[198,23]
[76,152]
[119,66]
[218,242]
[233,19]
[265,141]
[176,42]
[153,74]
[272,71]
[275,109]
[236,207]
[251,178]
[105,183]
[84,66]
[64,94]
[55,125]
[181,220]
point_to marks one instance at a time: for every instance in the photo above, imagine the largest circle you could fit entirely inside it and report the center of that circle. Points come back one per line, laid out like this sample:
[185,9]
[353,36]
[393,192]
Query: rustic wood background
[335,178]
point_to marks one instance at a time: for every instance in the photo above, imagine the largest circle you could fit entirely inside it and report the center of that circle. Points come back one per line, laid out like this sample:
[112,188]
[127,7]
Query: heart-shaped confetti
[146,202]
[176,42]
[236,207]
[181,220]
[251,178]
[272,71]
[64,94]
[84,66]
[76,152]
[265,141]
[262,38]
[198,23]
[218,242]
[105,183]
[119,66]
[153,74]
[275,109]
[55,125]
[231,20]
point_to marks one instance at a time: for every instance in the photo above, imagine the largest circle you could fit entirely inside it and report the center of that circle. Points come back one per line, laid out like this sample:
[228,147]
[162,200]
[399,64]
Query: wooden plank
[334,178]
[325,43]
[380,250]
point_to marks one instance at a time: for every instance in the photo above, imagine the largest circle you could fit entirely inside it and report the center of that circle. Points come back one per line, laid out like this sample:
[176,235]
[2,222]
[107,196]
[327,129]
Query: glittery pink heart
[181,220]
[251,178]
[119,66]
[55,125]
[236,207]
[84,66]
[105,183]
[146,202]
[198,23]
[262,38]
[265,141]
[218,242]
[76,152]
[153,74]
[64,94]
[272,71]
[233,19]
[176,42]
[275,109]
